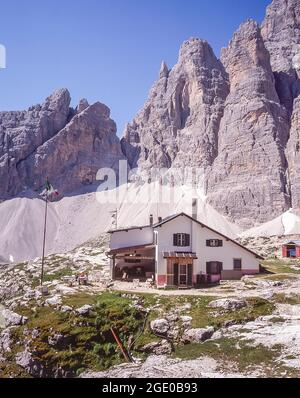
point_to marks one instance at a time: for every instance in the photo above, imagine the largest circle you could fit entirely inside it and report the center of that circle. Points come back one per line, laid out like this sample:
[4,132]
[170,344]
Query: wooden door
[183,275]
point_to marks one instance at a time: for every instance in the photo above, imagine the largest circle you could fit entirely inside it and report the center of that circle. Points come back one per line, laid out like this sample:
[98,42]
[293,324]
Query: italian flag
[49,191]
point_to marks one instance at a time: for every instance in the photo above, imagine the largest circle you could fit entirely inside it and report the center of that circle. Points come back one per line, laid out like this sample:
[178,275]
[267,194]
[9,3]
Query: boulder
[54,301]
[59,340]
[228,304]
[186,319]
[160,326]
[158,348]
[66,308]
[84,310]
[26,360]
[5,340]
[172,317]
[197,335]
[12,318]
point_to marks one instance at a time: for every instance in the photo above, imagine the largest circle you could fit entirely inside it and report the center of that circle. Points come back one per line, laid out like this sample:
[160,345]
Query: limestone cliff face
[238,118]
[180,120]
[281,34]
[293,155]
[53,140]
[252,137]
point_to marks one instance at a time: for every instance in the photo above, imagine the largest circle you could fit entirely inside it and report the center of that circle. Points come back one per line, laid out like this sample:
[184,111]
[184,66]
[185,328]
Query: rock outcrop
[54,140]
[281,34]
[180,120]
[293,154]
[237,119]
[252,137]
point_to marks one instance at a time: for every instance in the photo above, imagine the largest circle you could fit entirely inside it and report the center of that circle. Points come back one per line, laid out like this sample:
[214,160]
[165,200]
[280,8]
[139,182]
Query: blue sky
[106,50]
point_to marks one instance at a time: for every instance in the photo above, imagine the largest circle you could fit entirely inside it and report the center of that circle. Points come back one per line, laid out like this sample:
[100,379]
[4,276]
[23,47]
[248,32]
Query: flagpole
[44,240]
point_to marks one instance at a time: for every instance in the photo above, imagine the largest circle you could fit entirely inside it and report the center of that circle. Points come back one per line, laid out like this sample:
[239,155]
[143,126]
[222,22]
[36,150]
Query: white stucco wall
[132,237]
[199,235]
[165,240]
[224,254]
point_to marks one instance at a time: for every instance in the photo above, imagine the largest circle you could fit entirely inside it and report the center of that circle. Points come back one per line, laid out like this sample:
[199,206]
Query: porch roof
[292,242]
[180,255]
[129,249]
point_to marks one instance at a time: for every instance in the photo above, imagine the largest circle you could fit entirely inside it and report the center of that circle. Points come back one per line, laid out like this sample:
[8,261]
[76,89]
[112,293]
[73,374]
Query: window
[182,240]
[237,263]
[214,268]
[214,243]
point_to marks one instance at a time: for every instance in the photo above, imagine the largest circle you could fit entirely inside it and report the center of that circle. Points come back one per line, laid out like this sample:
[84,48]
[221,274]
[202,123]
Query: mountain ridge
[236,119]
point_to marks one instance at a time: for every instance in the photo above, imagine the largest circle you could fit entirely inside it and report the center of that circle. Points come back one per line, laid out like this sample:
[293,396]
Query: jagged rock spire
[164,71]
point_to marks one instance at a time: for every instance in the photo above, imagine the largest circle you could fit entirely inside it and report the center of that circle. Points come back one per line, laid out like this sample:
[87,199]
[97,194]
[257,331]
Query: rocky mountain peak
[196,52]
[53,140]
[281,32]
[246,55]
[180,118]
[83,104]
[164,71]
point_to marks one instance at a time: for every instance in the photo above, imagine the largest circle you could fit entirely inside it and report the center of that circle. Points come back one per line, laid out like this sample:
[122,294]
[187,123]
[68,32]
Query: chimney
[151,219]
[195,208]
[159,219]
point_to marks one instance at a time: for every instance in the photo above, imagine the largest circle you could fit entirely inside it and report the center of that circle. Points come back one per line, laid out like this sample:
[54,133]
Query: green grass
[80,299]
[88,341]
[277,319]
[279,277]
[241,353]
[49,277]
[281,266]
[282,298]
[201,313]
[205,316]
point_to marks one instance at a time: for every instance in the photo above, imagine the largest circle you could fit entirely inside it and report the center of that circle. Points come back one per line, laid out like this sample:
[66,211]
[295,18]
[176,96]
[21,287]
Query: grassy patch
[200,311]
[49,277]
[281,266]
[9,369]
[204,316]
[277,319]
[234,351]
[282,298]
[279,277]
[80,299]
[87,341]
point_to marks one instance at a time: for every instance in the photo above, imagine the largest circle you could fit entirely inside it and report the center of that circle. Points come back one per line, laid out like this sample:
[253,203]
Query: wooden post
[113,271]
[44,239]
[121,345]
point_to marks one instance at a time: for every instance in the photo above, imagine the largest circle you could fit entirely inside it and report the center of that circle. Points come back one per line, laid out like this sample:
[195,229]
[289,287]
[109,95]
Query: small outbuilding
[291,249]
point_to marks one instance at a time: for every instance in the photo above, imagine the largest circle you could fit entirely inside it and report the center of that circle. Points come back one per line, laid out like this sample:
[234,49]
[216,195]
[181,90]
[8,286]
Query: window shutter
[208,242]
[175,240]
[187,239]
[220,243]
